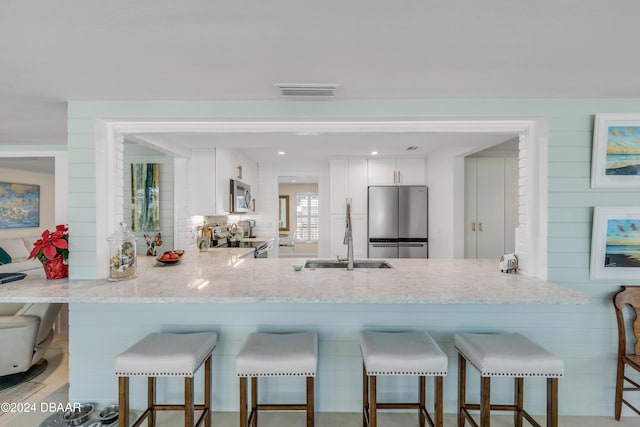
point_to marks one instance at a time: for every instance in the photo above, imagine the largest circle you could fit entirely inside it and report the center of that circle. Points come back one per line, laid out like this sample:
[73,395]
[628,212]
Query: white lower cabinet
[491,206]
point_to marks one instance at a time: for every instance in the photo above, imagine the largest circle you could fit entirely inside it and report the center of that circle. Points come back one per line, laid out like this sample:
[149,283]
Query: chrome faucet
[348,239]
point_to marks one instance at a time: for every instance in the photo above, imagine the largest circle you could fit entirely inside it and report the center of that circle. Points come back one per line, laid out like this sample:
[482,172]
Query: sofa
[26,332]
[18,248]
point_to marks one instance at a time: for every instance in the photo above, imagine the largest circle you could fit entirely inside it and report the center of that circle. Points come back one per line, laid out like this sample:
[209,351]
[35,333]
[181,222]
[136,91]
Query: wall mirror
[283,213]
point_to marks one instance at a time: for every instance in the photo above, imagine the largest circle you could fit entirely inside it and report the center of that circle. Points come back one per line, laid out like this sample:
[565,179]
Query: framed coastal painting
[145,194]
[19,205]
[615,243]
[615,161]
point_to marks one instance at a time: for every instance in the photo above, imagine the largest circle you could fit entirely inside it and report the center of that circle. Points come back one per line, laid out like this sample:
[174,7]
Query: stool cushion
[267,354]
[159,354]
[401,353]
[508,354]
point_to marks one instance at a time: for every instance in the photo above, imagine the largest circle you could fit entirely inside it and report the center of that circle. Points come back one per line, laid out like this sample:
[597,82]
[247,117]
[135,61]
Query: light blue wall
[584,336]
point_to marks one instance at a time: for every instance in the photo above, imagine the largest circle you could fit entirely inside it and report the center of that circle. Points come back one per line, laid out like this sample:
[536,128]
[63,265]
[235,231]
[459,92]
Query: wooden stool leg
[552,402]
[243,402]
[485,402]
[254,401]
[188,402]
[422,386]
[123,401]
[207,392]
[310,406]
[373,405]
[151,401]
[462,389]
[519,401]
[438,404]
[365,397]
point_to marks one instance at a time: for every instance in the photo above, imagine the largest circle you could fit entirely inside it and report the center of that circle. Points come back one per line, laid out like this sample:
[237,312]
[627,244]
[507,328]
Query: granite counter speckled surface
[232,275]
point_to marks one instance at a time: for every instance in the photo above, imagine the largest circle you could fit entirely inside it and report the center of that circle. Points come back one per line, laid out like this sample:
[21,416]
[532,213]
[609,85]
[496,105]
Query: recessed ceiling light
[293,180]
[281,153]
[374,153]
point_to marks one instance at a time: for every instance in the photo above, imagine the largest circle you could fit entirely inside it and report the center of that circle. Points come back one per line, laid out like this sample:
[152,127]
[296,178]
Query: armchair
[26,332]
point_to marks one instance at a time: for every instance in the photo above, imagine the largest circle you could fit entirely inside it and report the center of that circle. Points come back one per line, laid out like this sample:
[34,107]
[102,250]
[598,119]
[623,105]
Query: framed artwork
[615,243]
[615,162]
[145,195]
[19,205]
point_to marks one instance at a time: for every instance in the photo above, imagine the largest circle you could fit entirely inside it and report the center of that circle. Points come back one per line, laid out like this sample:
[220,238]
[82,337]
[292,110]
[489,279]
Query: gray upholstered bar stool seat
[167,355]
[275,355]
[401,353]
[506,355]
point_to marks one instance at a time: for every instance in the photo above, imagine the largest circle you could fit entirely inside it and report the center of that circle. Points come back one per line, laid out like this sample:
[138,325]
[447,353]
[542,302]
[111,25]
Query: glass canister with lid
[122,252]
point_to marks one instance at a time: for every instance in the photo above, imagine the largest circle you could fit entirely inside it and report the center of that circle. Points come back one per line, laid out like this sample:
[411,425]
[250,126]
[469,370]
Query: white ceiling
[54,51]
[265,147]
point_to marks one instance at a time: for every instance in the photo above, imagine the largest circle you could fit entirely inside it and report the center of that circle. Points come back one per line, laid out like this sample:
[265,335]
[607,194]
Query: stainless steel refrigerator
[397,222]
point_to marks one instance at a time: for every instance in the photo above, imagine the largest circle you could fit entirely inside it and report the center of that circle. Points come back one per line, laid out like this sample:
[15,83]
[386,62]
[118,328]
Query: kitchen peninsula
[228,291]
[231,275]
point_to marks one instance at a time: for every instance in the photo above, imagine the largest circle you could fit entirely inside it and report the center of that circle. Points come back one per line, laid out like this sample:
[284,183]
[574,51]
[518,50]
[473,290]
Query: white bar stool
[273,355]
[506,355]
[166,355]
[401,353]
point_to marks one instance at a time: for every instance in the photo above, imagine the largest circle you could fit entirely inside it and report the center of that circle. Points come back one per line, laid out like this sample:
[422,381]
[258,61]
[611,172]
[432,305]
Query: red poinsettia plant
[52,245]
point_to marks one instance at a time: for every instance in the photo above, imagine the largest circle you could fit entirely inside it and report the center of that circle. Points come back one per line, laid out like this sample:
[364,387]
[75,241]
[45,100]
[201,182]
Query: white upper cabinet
[224,173]
[382,172]
[395,172]
[410,171]
[338,183]
[233,164]
[348,179]
[209,173]
[201,172]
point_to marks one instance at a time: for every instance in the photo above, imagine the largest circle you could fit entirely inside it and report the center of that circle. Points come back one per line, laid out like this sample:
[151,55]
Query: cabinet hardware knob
[398,177]
[473,226]
[480,226]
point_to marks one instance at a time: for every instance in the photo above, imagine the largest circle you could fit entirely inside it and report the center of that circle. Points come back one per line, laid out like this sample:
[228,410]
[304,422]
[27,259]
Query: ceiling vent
[317,91]
[411,148]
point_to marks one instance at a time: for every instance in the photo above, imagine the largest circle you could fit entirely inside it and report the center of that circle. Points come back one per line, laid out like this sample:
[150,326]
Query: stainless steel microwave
[240,196]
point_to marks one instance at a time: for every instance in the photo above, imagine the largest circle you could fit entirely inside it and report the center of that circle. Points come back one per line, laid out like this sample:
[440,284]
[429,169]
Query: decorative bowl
[109,414]
[177,253]
[168,261]
[78,416]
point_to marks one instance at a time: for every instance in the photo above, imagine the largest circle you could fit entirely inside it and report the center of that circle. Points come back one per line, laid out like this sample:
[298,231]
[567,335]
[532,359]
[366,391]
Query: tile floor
[55,379]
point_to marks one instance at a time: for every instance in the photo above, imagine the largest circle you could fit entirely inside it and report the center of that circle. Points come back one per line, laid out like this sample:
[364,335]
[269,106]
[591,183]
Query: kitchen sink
[332,263]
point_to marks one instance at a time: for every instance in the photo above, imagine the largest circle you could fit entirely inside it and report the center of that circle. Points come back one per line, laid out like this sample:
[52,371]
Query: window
[307,217]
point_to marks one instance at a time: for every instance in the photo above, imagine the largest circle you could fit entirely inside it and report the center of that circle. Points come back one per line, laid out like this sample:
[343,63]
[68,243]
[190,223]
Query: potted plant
[53,252]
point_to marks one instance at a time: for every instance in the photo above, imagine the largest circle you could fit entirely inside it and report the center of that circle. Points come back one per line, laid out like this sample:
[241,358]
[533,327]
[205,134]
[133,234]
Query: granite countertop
[231,275]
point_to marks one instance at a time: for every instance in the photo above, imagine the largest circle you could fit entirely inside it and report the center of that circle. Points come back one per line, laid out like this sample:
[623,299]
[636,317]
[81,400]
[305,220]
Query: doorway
[298,216]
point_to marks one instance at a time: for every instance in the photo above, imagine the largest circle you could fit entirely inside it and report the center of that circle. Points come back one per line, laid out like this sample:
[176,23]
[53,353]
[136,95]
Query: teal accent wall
[584,336]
